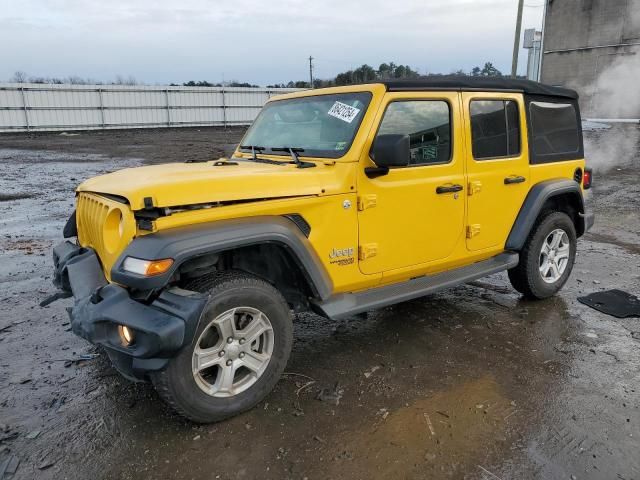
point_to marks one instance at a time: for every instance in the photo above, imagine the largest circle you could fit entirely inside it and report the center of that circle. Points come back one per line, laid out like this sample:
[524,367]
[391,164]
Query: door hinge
[367,201]
[473,230]
[474,187]
[367,251]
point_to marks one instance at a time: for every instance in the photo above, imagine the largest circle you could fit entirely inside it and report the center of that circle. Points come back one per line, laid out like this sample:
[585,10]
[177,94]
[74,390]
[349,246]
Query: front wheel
[239,350]
[547,258]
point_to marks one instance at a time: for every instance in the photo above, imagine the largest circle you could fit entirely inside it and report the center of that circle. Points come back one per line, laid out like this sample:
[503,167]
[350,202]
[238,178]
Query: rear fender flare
[533,204]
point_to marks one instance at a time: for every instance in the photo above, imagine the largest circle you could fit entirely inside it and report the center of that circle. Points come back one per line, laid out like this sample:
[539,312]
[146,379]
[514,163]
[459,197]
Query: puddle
[451,432]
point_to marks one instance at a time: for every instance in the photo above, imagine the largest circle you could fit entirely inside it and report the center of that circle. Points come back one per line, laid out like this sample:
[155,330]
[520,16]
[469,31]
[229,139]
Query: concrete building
[594,47]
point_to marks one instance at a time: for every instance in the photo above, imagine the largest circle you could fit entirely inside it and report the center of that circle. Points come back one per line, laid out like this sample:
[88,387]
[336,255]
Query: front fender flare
[185,243]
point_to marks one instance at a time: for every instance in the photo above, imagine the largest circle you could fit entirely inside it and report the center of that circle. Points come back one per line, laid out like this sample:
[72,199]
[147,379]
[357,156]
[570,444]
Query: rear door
[497,166]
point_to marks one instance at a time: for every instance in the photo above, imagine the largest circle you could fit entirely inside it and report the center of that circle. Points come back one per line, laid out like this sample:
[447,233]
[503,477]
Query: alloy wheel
[233,351]
[554,255]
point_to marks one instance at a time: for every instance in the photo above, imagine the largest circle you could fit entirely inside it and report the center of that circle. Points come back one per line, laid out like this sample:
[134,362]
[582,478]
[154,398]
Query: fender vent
[300,222]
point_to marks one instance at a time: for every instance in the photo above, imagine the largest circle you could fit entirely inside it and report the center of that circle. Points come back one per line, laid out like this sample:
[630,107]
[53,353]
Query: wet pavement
[472,383]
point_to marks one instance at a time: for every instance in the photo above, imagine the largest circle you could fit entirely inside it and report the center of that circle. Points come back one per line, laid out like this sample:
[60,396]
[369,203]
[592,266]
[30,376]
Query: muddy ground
[473,383]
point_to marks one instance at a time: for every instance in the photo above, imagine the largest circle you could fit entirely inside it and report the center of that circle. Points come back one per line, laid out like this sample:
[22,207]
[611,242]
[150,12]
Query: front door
[415,214]
[497,167]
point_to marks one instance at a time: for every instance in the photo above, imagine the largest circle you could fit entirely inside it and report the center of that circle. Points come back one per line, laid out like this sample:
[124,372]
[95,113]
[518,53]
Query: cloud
[250,40]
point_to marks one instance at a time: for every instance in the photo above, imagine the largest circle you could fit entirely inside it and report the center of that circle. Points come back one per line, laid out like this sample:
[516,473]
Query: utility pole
[516,41]
[310,71]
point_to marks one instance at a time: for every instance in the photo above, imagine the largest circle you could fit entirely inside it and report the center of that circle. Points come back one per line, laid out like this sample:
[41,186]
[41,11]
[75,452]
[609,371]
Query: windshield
[324,125]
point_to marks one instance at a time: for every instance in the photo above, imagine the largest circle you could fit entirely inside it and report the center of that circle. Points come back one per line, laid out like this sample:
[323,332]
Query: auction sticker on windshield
[344,112]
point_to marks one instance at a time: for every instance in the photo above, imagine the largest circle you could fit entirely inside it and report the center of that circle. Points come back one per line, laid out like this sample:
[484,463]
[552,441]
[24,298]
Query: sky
[261,42]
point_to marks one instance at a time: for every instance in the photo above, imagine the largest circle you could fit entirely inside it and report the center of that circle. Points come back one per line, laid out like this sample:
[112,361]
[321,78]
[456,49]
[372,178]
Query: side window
[428,124]
[554,129]
[495,128]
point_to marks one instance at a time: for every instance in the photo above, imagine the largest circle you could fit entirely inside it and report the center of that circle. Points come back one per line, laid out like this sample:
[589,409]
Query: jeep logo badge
[344,252]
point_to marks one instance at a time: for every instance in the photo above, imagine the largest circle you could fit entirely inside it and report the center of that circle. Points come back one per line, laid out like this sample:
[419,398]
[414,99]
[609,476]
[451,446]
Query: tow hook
[56,296]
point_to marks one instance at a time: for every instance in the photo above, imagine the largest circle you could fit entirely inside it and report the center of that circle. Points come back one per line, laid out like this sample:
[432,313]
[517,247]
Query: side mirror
[389,151]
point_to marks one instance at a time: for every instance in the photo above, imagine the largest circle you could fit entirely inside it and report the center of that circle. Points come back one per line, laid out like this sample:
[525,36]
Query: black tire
[176,384]
[526,277]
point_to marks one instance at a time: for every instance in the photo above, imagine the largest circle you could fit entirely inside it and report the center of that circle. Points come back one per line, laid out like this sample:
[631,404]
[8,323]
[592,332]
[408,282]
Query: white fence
[38,107]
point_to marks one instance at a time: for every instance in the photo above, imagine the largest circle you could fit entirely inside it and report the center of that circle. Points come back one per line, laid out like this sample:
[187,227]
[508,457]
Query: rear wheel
[239,350]
[547,258]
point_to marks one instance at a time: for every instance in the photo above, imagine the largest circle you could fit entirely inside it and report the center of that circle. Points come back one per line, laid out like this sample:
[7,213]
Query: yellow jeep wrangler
[339,201]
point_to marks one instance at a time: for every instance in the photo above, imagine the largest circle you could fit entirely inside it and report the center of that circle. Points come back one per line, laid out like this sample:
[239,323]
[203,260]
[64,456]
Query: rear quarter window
[555,133]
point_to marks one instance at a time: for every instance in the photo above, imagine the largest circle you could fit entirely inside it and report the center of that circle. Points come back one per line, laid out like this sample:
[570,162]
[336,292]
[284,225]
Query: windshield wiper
[254,149]
[293,151]
[254,158]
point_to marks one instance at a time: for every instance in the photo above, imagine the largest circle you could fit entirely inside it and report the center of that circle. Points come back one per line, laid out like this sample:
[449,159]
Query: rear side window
[554,130]
[495,129]
[428,124]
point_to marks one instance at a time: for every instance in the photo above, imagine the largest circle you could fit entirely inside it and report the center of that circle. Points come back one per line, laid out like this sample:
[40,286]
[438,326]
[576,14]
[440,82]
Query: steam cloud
[616,96]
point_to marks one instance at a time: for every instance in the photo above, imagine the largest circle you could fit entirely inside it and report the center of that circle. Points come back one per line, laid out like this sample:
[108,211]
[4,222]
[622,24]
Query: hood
[178,184]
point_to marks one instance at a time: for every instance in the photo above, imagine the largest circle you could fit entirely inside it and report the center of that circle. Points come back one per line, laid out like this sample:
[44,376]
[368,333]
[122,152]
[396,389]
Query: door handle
[449,188]
[514,179]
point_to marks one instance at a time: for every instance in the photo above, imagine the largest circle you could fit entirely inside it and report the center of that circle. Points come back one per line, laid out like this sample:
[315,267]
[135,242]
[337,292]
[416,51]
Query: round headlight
[112,230]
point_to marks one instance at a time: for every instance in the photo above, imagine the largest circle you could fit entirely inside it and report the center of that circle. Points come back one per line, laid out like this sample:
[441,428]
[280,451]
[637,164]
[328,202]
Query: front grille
[91,213]
[106,225]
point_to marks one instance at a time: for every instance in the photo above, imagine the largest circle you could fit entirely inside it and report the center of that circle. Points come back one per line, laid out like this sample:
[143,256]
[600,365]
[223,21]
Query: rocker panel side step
[346,304]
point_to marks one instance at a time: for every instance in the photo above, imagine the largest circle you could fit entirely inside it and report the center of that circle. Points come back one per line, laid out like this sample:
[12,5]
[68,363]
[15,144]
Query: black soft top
[495,84]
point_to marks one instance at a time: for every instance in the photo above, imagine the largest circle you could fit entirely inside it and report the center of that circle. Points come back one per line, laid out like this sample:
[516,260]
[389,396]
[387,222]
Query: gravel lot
[472,383]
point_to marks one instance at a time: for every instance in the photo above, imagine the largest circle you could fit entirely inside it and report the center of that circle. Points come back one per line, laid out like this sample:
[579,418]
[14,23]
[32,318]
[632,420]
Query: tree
[400,72]
[364,73]
[405,71]
[385,71]
[130,80]
[39,80]
[490,71]
[344,78]
[235,83]
[200,83]
[76,80]
[487,71]
[19,77]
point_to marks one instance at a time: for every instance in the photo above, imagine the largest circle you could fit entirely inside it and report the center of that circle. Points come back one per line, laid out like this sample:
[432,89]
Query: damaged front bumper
[161,328]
